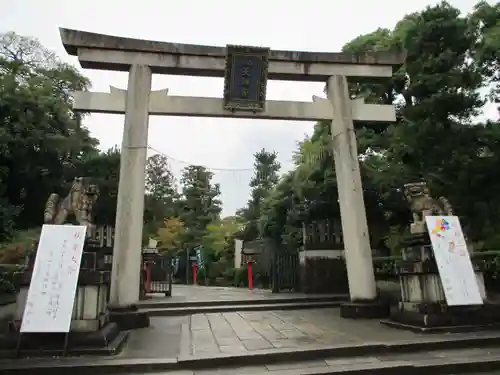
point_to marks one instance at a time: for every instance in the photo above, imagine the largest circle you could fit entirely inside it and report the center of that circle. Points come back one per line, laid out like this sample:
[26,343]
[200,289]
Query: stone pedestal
[423,304]
[90,308]
[128,317]
[371,309]
[92,330]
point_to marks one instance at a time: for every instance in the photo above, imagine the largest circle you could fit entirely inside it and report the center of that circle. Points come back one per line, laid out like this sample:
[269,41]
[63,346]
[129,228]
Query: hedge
[384,267]
[6,277]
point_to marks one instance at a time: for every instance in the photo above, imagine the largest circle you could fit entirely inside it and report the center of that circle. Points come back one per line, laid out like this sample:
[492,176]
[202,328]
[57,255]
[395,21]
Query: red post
[250,275]
[195,271]
[148,277]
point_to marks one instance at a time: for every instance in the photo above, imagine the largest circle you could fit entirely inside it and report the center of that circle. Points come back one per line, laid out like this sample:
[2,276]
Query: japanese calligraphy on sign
[452,257]
[245,81]
[51,295]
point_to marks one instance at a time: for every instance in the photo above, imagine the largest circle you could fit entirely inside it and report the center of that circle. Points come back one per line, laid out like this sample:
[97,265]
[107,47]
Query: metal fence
[157,273]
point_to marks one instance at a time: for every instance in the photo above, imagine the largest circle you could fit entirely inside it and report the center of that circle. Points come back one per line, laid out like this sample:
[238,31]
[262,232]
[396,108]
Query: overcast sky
[225,146]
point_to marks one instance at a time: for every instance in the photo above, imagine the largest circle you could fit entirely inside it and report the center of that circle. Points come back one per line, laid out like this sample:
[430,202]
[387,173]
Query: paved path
[184,293]
[162,339]
[213,334]
[244,332]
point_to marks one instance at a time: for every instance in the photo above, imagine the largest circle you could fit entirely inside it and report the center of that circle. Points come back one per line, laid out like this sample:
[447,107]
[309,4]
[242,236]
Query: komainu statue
[422,204]
[79,203]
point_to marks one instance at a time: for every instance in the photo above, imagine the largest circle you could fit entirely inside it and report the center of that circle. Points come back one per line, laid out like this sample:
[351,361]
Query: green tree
[265,178]
[485,23]
[160,182]
[449,57]
[218,236]
[200,203]
[41,138]
[170,235]
[104,169]
[161,201]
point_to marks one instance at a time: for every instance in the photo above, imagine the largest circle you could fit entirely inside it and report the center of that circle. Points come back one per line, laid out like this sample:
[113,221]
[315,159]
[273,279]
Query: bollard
[195,271]
[148,277]
[250,276]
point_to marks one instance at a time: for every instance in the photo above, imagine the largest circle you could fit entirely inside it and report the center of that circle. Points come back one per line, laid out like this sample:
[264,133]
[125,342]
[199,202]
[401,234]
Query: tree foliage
[170,235]
[450,58]
[264,179]
[200,203]
[41,138]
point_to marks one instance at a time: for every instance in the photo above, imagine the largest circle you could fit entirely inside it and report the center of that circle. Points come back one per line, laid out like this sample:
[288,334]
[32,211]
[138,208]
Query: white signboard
[51,295]
[453,261]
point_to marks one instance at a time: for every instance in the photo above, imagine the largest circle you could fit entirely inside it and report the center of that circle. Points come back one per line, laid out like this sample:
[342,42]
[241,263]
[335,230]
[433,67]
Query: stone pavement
[163,339]
[244,332]
[214,334]
[195,293]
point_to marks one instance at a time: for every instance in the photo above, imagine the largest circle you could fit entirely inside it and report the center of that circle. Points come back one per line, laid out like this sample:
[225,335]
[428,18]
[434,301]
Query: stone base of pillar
[108,340]
[375,309]
[128,317]
[437,317]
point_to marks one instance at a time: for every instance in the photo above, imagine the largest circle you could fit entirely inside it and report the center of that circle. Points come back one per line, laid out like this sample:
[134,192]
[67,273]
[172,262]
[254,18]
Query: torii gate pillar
[125,274]
[358,255]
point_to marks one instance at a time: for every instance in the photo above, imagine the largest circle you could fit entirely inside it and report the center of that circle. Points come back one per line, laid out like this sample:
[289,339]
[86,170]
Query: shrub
[6,286]
[201,276]
[7,276]
[385,267]
[261,277]
[491,262]
[229,275]
[241,277]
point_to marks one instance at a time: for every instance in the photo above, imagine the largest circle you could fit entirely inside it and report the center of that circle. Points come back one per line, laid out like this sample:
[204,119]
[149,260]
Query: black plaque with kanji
[245,81]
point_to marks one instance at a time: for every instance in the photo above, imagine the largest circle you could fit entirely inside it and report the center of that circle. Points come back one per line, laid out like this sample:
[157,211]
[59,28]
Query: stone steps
[167,303]
[439,363]
[450,356]
[176,311]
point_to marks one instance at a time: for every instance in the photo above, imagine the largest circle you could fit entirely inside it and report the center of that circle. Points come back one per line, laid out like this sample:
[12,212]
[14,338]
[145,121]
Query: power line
[210,168]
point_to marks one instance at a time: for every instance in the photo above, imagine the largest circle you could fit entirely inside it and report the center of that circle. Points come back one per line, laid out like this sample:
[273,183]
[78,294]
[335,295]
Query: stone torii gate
[246,70]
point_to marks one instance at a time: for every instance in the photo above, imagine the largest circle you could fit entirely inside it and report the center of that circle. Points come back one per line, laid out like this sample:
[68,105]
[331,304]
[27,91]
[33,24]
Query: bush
[229,275]
[7,276]
[261,277]
[6,286]
[491,262]
[217,269]
[19,247]
[11,268]
[13,254]
[201,276]
[385,267]
[241,277]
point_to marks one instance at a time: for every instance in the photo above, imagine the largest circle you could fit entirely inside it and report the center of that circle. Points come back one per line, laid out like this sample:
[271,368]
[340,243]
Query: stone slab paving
[162,339]
[252,331]
[194,293]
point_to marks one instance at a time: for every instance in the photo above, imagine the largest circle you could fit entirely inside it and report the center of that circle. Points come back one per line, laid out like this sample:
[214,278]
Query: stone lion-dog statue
[422,204]
[79,203]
